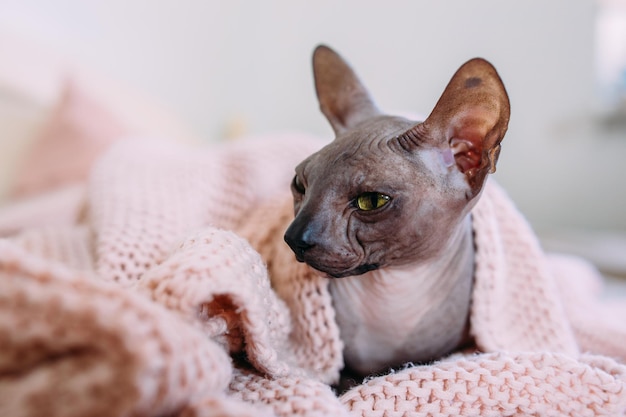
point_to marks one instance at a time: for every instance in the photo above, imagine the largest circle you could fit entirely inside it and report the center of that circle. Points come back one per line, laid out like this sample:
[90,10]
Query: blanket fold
[516,301]
[67,338]
[178,266]
[201,283]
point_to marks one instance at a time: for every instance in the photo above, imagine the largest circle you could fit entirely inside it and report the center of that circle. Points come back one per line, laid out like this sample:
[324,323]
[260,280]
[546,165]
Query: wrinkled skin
[383,211]
[428,200]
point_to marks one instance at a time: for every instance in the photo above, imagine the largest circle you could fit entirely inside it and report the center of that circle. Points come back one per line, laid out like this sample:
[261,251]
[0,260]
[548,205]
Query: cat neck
[414,313]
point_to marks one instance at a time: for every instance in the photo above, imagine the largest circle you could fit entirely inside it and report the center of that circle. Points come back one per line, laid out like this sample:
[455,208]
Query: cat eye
[371,201]
[297,185]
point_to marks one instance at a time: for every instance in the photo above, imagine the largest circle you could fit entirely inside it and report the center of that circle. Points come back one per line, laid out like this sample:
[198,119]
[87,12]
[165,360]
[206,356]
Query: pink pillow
[79,130]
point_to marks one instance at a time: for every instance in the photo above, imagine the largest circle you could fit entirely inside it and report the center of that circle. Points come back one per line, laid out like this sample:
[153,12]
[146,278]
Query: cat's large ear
[343,99]
[470,119]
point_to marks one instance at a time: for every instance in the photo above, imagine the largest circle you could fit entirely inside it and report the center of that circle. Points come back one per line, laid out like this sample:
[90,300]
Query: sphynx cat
[384,212]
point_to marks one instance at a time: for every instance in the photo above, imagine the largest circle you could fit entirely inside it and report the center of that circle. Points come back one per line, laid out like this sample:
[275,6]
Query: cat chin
[333,273]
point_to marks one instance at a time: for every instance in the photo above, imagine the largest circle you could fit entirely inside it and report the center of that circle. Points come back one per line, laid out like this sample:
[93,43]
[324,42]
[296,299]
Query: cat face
[390,191]
[362,205]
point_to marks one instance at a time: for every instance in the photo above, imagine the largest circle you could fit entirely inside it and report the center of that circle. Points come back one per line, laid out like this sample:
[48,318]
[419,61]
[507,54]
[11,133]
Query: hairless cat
[384,212]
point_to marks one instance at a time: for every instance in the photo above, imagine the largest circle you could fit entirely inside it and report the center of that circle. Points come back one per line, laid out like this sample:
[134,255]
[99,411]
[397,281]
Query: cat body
[384,212]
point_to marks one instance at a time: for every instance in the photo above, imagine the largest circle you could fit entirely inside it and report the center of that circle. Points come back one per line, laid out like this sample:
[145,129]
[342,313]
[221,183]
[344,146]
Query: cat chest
[383,327]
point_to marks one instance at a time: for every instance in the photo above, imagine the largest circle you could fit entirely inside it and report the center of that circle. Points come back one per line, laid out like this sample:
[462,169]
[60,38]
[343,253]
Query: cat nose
[299,241]
[299,247]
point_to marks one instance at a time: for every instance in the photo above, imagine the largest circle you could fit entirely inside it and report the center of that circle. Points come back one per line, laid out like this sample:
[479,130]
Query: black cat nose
[299,247]
[299,242]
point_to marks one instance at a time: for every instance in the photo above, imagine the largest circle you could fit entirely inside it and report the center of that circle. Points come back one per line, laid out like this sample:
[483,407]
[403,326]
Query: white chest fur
[413,314]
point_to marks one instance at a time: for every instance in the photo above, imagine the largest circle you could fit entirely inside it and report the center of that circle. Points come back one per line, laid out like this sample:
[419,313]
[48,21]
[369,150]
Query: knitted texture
[497,384]
[510,266]
[67,338]
[176,295]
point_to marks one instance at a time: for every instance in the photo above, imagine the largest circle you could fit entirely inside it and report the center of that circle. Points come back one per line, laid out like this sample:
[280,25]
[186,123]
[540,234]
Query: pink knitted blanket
[173,294]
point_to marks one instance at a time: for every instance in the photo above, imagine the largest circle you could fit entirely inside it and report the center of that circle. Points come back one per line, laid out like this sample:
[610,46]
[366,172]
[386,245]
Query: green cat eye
[371,201]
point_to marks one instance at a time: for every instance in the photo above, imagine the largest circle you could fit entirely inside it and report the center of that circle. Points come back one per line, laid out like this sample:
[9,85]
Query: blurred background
[216,70]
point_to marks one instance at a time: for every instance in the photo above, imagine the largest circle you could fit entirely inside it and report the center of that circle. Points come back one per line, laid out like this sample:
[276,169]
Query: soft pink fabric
[139,310]
[79,130]
[61,206]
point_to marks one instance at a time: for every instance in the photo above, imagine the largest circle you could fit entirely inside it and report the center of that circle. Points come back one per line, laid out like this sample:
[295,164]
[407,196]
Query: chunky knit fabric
[175,295]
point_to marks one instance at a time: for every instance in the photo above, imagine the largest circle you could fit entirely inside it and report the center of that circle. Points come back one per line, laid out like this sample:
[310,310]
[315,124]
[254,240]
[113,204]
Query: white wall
[217,62]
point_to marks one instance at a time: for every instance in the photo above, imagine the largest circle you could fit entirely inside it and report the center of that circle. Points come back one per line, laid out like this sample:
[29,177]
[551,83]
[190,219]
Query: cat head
[388,190]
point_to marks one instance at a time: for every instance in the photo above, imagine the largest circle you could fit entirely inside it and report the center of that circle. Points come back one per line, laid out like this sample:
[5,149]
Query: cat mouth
[330,269]
[330,272]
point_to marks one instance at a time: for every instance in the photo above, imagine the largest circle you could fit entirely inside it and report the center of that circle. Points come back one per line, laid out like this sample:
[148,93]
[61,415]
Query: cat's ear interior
[470,120]
[343,99]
